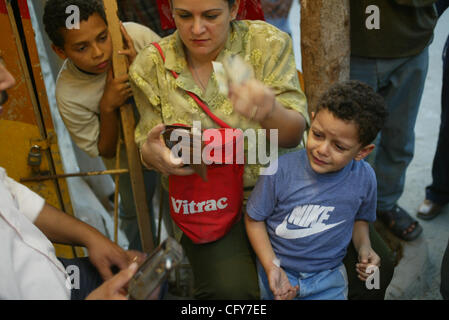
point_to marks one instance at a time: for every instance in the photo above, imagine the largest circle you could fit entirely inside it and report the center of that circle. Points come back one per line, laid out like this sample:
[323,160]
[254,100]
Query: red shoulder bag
[206,210]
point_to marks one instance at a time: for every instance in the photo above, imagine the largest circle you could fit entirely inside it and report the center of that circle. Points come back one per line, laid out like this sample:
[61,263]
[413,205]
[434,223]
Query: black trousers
[357,289]
[83,273]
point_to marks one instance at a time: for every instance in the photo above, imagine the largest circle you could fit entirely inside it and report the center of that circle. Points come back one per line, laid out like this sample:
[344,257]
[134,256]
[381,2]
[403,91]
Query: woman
[206,32]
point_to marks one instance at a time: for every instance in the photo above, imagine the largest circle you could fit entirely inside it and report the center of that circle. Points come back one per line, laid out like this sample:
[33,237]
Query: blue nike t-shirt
[310,216]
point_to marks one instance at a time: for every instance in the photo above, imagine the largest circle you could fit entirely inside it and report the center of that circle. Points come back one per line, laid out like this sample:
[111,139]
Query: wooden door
[26,120]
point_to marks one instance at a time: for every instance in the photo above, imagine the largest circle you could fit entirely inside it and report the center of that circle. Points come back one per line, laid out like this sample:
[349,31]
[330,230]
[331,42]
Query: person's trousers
[444,288]
[85,277]
[322,285]
[438,191]
[401,83]
[223,269]
[358,289]
[128,213]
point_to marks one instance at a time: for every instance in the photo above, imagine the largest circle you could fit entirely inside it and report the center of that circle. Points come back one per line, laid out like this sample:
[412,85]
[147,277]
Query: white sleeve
[142,36]
[28,202]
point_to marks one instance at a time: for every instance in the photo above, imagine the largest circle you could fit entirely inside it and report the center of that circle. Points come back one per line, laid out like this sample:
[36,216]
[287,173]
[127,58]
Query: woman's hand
[253,100]
[156,155]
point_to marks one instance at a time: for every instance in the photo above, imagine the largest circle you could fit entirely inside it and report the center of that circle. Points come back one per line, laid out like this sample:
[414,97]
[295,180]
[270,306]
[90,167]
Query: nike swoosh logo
[284,232]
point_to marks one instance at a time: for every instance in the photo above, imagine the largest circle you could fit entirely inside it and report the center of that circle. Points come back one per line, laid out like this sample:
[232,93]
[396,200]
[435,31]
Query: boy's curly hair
[55,16]
[358,102]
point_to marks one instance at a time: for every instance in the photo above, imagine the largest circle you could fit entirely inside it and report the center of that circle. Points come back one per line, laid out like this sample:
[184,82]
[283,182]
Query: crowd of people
[304,231]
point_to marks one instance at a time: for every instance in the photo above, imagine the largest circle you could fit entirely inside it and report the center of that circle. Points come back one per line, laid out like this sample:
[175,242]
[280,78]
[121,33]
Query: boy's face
[332,143]
[89,47]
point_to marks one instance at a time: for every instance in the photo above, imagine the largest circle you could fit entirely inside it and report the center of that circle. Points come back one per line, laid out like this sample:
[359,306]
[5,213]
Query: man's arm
[62,228]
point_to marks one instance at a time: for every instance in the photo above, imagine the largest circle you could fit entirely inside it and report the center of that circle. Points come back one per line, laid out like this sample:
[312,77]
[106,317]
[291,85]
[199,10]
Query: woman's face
[203,25]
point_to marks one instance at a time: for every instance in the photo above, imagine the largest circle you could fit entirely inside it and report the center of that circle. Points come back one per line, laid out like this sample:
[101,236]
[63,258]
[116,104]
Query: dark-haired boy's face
[89,47]
[332,143]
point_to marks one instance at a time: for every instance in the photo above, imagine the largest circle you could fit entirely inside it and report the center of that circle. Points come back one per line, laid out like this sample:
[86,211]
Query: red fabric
[206,210]
[248,10]
[3,7]
[23,8]
[24,12]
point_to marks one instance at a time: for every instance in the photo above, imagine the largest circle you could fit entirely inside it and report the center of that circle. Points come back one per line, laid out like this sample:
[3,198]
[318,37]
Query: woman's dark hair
[230,2]
[55,16]
[356,101]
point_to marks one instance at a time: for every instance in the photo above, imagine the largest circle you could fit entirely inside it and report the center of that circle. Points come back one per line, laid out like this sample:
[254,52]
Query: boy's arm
[278,281]
[362,244]
[360,234]
[258,237]
[117,91]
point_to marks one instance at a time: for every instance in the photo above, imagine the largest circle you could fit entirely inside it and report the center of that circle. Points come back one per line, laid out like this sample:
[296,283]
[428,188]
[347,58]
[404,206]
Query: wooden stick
[70,175]
[325,46]
[120,67]
[116,191]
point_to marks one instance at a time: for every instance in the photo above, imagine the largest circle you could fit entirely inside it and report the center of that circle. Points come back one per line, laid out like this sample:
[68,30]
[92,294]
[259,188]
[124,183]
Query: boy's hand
[367,257]
[280,285]
[116,92]
[129,49]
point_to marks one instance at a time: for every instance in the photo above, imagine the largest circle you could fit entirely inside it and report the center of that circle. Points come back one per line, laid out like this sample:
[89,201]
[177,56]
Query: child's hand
[280,285]
[129,49]
[116,92]
[367,257]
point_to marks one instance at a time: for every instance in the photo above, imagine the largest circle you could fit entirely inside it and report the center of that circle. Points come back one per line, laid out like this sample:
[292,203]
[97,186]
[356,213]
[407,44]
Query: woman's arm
[62,228]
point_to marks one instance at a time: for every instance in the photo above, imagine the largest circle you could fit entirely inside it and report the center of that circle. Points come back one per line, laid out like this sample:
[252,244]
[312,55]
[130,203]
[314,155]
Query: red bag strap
[203,106]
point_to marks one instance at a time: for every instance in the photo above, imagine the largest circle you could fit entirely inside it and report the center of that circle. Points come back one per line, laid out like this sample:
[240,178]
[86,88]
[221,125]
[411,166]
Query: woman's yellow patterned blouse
[162,98]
